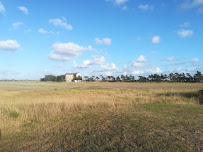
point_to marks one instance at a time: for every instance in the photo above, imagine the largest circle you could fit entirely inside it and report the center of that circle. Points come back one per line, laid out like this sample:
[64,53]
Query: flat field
[100,116]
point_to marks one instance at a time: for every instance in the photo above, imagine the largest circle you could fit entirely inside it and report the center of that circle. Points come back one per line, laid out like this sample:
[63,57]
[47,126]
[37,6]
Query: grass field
[100,116]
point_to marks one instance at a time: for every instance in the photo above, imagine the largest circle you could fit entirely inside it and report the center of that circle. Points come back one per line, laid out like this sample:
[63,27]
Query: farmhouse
[71,76]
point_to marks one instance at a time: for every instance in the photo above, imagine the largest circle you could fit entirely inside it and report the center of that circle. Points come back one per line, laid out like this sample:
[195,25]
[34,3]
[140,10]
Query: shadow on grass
[198,95]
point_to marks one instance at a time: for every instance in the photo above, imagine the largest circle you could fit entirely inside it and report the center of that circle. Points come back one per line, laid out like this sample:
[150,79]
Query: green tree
[118,79]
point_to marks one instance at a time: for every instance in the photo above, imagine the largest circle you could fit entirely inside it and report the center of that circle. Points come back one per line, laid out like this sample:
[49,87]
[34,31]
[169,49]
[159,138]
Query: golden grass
[44,102]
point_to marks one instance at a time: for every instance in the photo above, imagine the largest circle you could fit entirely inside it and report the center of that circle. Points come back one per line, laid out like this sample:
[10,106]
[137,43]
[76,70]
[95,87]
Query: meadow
[100,116]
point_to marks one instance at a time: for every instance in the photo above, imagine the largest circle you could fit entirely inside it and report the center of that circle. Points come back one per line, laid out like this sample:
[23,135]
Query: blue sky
[100,37]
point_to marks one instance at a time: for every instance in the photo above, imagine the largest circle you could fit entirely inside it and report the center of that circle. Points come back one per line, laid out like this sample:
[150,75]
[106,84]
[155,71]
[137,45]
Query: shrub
[14,113]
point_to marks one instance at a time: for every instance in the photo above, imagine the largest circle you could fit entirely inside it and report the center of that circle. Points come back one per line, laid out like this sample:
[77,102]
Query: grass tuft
[14,113]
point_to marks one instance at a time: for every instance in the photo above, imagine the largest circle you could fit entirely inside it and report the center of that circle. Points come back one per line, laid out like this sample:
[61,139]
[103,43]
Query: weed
[14,113]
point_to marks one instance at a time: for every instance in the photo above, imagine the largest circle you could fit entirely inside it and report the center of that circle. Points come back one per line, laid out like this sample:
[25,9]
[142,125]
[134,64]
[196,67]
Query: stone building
[71,76]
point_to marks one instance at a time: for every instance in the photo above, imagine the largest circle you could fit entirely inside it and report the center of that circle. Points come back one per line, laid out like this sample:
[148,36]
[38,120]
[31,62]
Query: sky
[100,37]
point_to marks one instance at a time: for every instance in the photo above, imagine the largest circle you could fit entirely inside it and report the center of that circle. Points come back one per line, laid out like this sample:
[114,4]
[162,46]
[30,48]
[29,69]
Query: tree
[198,77]
[60,78]
[109,78]
[97,78]
[102,78]
[122,77]
[118,79]
[79,78]
[50,78]
[113,78]
[86,78]
[142,79]
[190,78]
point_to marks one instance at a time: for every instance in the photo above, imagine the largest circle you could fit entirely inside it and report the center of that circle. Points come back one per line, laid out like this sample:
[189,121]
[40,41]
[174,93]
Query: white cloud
[10,45]
[195,60]
[185,33]
[109,67]
[139,61]
[154,70]
[171,58]
[156,39]
[192,4]
[141,58]
[66,51]
[59,57]
[97,60]
[69,48]
[105,41]
[137,72]
[23,9]
[2,9]
[17,24]
[137,64]
[61,23]
[146,7]
[42,31]
[120,1]
[108,73]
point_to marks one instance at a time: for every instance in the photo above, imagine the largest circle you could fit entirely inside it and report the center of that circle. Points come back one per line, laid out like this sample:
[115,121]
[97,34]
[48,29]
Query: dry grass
[34,116]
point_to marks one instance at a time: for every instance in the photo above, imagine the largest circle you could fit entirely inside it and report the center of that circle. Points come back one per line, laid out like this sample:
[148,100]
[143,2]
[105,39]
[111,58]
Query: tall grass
[39,109]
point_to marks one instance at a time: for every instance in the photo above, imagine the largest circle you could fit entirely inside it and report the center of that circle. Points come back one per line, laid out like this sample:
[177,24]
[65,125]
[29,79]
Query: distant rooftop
[72,73]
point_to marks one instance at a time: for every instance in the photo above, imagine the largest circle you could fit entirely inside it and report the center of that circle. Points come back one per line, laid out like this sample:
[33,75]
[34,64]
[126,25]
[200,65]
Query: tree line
[172,77]
[60,78]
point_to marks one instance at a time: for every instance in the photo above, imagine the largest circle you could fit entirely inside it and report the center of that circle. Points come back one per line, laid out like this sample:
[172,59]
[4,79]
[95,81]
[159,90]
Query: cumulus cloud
[61,23]
[23,9]
[156,39]
[154,70]
[105,41]
[171,58]
[195,60]
[146,7]
[109,67]
[139,62]
[17,24]
[66,51]
[97,60]
[2,9]
[141,58]
[185,33]
[59,57]
[9,45]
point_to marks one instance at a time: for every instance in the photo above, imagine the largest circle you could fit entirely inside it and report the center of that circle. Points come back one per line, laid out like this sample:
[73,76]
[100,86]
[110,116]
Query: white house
[71,76]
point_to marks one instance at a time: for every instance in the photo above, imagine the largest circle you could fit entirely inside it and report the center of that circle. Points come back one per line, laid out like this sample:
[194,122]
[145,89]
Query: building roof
[71,73]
